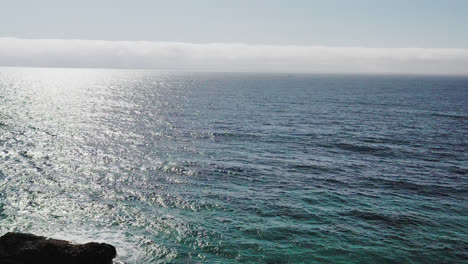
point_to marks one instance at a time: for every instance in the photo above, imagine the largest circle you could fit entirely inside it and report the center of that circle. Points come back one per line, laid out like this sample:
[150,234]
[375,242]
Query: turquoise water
[238,168]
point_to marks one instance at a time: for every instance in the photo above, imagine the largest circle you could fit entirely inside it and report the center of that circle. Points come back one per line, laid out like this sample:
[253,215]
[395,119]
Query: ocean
[175,167]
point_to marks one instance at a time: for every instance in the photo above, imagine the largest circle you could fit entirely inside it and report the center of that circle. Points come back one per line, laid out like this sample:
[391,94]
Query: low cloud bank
[229,57]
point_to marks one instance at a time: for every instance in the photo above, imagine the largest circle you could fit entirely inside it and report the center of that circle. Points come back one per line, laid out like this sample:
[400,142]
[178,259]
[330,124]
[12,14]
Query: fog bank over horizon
[235,57]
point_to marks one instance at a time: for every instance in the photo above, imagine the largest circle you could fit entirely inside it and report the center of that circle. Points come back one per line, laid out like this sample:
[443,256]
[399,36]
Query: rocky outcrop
[20,248]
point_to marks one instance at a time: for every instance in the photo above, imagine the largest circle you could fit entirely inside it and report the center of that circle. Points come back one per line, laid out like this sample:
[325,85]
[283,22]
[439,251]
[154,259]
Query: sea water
[238,167]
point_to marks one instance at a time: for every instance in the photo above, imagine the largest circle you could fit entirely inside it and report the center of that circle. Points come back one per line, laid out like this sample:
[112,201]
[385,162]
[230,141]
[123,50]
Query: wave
[420,189]
[387,219]
[365,149]
[235,135]
[308,168]
[385,140]
[464,117]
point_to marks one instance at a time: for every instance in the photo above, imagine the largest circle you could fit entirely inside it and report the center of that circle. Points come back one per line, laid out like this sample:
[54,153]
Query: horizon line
[246,72]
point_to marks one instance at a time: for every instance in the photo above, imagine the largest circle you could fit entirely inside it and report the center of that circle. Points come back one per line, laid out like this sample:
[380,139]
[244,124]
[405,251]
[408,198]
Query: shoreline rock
[22,248]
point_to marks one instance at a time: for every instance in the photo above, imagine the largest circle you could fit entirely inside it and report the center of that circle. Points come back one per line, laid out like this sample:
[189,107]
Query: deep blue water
[238,168]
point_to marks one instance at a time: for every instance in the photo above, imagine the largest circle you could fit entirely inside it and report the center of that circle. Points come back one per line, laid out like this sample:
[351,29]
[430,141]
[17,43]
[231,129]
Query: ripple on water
[237,168]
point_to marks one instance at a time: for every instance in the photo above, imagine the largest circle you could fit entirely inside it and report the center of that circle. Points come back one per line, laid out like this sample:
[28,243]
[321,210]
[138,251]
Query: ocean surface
[238,168]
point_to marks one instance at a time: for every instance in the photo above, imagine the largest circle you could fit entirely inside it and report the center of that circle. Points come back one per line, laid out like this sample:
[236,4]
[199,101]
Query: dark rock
[19,248]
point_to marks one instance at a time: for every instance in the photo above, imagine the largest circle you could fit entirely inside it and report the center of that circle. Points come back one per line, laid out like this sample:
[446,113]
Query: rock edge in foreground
[21,248]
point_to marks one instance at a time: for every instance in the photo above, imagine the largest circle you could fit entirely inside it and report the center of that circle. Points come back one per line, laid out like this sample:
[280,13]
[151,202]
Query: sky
[412,36]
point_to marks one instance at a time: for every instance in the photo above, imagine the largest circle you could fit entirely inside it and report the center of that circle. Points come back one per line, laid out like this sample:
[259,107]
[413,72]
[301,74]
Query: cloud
[229,57]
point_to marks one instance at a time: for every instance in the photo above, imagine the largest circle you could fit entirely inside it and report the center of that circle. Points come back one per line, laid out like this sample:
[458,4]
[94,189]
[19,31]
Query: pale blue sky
[367,23]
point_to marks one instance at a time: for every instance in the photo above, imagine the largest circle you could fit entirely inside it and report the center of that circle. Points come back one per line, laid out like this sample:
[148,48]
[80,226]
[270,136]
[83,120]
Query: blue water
[238,168]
